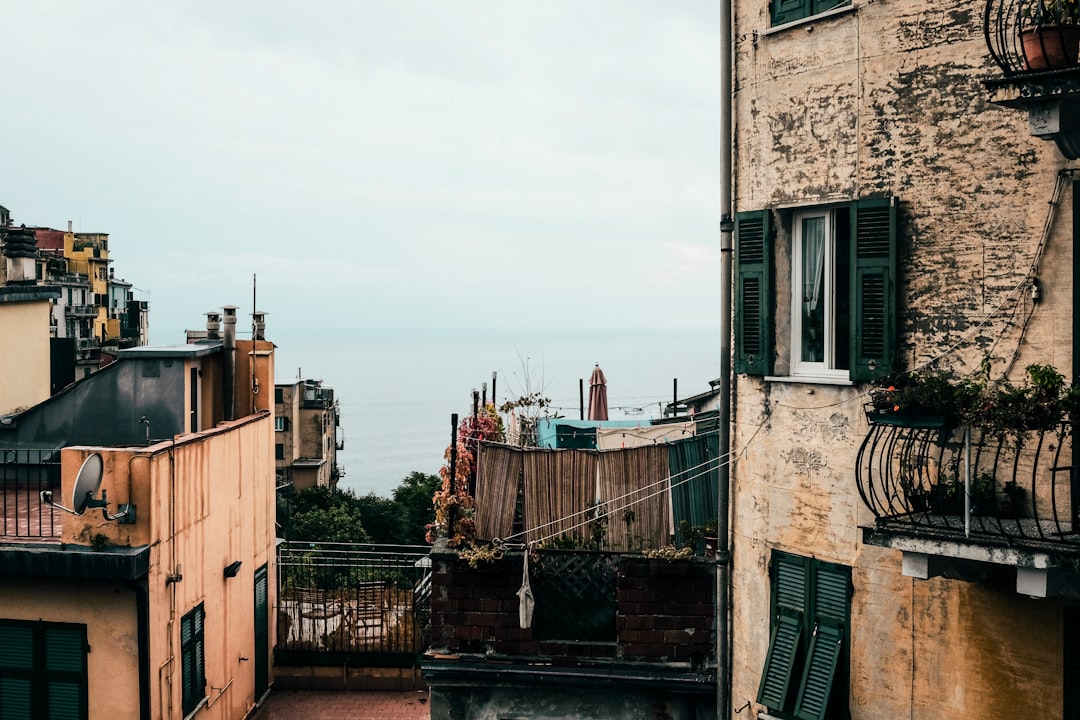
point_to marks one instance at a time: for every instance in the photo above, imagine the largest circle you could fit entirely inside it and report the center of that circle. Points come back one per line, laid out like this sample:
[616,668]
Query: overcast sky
[398,163]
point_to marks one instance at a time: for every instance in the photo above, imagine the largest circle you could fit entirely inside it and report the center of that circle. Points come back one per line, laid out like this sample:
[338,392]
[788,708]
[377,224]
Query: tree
[322,515]
[414,496]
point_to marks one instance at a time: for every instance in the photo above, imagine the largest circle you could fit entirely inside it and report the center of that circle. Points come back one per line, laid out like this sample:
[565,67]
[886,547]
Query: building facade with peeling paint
[895,213]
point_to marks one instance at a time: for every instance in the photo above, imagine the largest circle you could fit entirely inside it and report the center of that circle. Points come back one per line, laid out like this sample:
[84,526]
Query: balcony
[956,500]
[80,310]
[23,475]
[1035,44]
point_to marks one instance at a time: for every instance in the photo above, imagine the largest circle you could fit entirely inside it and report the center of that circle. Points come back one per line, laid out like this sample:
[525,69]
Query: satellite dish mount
[83,495]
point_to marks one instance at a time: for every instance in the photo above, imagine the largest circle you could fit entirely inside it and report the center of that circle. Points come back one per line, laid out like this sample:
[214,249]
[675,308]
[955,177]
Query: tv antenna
[83,495]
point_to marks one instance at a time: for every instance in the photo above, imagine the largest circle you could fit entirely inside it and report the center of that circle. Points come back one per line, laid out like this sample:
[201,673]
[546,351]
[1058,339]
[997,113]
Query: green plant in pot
[1049,33]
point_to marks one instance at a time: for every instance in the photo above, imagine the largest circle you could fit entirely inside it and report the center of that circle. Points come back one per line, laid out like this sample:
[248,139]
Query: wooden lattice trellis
[575,595]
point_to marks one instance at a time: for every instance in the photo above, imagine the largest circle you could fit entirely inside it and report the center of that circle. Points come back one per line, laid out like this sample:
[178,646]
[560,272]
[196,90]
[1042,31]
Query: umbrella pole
[581,396]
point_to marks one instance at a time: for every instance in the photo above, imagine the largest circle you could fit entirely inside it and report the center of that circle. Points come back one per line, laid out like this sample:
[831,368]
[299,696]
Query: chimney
[230,359]
[20,253]
[69,226]
[258,320]
[213,325]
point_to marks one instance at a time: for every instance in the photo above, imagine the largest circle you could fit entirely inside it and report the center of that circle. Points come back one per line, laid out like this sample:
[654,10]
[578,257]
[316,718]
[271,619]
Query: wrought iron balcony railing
[1032,36]
[997,490]
[1036,44]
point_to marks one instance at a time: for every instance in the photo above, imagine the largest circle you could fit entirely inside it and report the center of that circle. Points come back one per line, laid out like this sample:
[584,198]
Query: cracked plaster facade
[888,100]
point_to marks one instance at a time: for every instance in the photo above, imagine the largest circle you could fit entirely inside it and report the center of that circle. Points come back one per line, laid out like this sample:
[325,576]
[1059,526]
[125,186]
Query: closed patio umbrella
[597,395]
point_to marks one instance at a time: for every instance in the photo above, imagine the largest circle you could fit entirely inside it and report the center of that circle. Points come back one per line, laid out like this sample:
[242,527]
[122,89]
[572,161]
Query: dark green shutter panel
[16,647]
[200,659]
[873,287]
[14,698]
[783,645]
[789,581]
[187,668]
[820,670]
[754,297]
[832,591]
[65,649]
[64,701]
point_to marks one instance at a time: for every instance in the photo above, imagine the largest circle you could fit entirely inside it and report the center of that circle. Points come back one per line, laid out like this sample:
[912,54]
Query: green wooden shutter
[192,668]
[873,287]
[789,581]
[262,633]
[187,657]
[787,10]
[14,698]
[754,297]
[783,646]
[832,591]
[65,663]
[16,647]
[816,687]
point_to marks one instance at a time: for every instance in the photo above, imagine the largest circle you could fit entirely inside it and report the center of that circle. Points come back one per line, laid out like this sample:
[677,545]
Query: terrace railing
[24,473]
[357,604]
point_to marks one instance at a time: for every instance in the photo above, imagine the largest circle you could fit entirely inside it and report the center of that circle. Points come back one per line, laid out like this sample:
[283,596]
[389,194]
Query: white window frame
[826,370]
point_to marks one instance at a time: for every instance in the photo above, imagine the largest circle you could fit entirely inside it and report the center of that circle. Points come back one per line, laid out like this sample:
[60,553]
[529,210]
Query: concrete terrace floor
[344,704]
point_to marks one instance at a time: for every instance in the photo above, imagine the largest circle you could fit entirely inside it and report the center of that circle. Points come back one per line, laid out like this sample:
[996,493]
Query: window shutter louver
[16,647]
[816,686]
[783,646]
[789,581]
[14,698]
[754,297]
[873,287]
[832,591]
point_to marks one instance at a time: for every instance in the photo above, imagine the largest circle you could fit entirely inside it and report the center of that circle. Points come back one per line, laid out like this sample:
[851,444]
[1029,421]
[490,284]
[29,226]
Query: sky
[391,164]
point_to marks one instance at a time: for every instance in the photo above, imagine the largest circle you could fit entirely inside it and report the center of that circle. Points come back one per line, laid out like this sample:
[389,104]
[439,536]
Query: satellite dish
[83,495]
[87,484]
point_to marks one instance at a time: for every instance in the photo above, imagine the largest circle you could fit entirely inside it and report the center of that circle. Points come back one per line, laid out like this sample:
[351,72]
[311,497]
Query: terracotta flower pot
[1050,46]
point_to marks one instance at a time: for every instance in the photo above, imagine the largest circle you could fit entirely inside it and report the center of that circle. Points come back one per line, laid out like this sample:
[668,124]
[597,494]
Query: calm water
[399,388]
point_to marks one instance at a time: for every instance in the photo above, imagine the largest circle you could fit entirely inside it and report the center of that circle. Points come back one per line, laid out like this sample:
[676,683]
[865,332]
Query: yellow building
[88,254]
[157,603]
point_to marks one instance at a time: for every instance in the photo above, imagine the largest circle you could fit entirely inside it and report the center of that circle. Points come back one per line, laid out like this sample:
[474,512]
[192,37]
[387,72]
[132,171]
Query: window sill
[809,20]
[809,380]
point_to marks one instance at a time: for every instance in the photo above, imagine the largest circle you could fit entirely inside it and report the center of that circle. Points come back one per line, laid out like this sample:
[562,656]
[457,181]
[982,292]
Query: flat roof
[28,293]
[171,351]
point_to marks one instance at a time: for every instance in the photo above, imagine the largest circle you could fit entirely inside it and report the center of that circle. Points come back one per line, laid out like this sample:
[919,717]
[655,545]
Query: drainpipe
[727,230]
[229,357]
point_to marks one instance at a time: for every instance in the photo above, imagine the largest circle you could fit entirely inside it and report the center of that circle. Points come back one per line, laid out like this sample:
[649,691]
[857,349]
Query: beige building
[24,320]
[150,595]
[890,216]
[306,428]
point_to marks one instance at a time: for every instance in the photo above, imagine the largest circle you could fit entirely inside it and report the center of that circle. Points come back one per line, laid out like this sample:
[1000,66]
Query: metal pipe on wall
[727,231]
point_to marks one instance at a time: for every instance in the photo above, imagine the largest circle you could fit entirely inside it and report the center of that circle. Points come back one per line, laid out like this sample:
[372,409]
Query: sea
[398,389]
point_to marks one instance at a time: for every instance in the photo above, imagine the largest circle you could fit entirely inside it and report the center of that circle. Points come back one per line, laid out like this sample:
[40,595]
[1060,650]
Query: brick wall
[659,618]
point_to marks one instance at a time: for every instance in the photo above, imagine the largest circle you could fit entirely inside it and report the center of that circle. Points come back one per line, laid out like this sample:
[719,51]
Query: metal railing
[1013,42]
[24,473]
[1009,489]
[362,601]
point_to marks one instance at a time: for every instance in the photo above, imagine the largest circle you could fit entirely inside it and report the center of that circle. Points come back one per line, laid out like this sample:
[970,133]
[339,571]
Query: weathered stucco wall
[202,503]
[888,100]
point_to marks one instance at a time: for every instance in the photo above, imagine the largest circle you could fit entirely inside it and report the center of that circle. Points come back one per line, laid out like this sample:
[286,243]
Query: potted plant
[1050,33]
[669,560]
